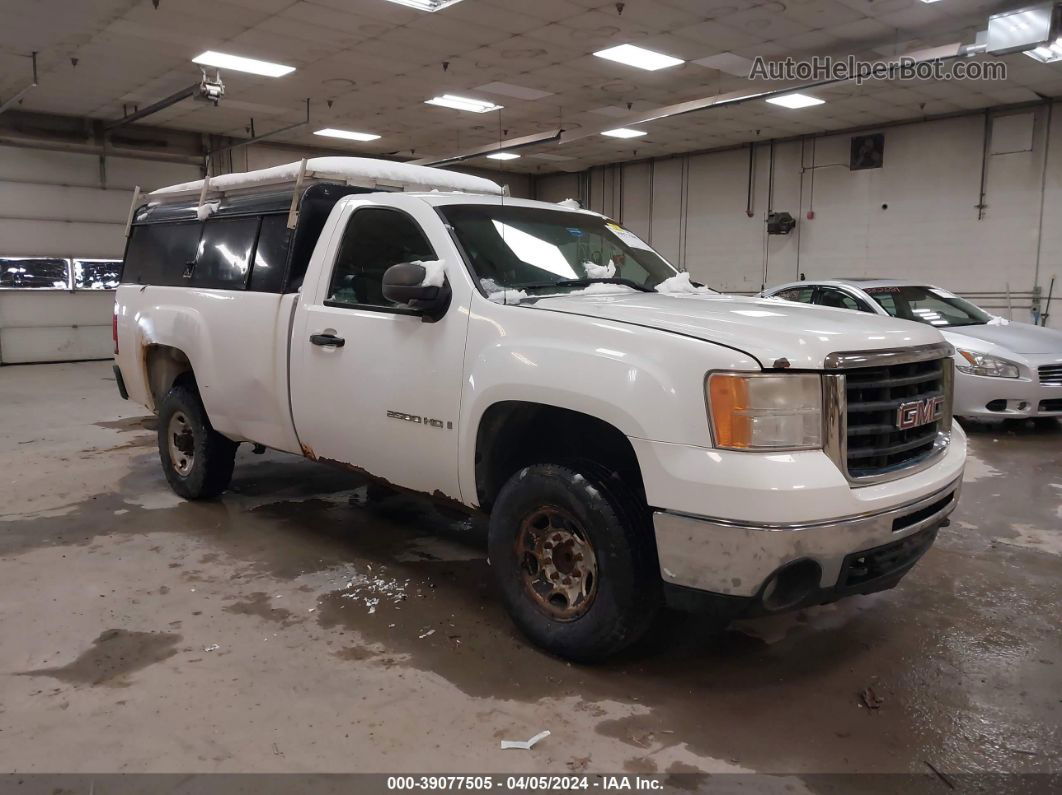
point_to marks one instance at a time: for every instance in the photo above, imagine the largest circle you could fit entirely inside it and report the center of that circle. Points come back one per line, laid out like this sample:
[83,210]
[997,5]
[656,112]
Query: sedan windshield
[536,249]
[928,305]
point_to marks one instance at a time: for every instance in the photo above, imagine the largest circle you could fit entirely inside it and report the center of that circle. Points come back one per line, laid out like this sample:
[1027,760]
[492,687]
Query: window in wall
[160,253]
[96,274]
[225,250]
[271,254]
[35,272]
[374,240]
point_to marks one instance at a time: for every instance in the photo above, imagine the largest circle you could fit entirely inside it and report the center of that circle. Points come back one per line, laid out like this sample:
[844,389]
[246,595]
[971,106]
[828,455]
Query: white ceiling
[377,62]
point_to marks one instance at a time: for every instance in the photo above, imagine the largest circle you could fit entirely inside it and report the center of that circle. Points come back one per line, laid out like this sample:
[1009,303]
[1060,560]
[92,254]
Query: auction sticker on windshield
[628,237]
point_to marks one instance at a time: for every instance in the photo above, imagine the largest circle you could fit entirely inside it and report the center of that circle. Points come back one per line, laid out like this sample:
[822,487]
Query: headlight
[983,364]
[764,411]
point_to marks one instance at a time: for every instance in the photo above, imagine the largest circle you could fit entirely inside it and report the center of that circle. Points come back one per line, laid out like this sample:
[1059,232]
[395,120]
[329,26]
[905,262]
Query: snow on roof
[362,171]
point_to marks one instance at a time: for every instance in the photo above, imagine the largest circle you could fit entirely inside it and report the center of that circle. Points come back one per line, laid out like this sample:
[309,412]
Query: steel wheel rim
[181,444]
[558,566]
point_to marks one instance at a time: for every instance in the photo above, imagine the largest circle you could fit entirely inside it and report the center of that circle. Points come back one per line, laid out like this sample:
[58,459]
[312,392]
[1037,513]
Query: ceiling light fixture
[426,5]
[794,101]
[463,103]
[502,156]
[225,61]
[332,132]
[1047,53]
[638,57]
[623,132]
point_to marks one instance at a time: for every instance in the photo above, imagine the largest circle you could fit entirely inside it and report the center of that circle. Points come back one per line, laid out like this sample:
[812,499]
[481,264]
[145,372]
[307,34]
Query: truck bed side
[236,343]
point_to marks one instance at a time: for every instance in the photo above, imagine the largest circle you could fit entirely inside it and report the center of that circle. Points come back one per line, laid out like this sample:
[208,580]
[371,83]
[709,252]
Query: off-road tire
[213,455]
[618,527]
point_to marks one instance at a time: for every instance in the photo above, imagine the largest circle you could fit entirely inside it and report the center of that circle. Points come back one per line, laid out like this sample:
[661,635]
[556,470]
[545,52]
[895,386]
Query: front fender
[648,384]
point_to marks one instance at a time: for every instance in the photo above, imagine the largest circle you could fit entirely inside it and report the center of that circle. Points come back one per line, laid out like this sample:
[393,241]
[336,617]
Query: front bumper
[1017,398]
[742,563]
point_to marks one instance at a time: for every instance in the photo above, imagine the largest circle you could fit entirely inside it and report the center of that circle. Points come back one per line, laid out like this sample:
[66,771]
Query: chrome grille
[874,395]
[1051,375]
[876,407]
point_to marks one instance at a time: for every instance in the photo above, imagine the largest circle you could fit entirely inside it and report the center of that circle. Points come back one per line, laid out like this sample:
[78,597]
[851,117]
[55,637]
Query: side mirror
[407,283]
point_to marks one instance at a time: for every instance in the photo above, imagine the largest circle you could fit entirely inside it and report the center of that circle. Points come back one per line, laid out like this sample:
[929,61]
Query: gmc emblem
[919,412]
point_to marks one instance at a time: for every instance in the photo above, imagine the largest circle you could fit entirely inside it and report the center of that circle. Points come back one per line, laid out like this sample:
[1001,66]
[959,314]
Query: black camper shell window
[244,245]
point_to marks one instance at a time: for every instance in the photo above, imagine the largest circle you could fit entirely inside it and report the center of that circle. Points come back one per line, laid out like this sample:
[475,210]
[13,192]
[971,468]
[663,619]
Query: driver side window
[801,295]
[375,239]
[829,296]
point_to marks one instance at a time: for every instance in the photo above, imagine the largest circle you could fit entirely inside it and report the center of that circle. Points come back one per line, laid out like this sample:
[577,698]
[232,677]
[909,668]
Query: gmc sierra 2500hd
[638,440]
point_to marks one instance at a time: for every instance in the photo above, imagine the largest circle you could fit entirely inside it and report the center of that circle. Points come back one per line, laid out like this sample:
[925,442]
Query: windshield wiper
[585,282]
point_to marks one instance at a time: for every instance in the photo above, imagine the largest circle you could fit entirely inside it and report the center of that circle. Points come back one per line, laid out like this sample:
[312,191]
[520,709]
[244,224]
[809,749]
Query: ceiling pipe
[943,53]
[20,94]
[508,146]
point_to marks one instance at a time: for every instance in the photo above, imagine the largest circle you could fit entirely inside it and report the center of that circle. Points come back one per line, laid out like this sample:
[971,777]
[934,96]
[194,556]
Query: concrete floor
[284,629]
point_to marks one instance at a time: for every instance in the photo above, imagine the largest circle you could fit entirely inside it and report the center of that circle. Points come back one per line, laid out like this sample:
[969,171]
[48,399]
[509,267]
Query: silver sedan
[1003,369]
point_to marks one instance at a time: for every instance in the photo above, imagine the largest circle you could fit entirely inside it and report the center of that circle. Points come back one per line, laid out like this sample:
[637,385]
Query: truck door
[373,385]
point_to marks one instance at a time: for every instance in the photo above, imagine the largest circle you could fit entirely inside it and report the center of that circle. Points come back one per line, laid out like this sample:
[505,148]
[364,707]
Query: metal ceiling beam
[97,149]
[162,104]
[21,93]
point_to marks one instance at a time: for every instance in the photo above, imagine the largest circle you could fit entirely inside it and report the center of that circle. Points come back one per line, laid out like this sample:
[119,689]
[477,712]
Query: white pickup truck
[637,440]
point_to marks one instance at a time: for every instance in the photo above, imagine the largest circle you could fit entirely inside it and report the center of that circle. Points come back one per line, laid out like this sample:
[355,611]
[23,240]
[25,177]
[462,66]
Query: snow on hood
[1022,338]
[358,170]
[680,284]
[768,330]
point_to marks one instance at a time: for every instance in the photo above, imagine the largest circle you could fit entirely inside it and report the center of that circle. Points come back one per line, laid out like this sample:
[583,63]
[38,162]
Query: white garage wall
[693,209]
[58,204]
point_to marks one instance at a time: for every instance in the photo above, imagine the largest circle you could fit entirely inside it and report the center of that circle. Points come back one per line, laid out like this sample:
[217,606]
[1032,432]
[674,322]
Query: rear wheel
[572,550]
[196,459]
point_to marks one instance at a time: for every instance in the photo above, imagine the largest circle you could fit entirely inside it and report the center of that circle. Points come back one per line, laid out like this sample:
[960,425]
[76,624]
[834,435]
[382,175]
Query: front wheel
[196,459]
[572,550]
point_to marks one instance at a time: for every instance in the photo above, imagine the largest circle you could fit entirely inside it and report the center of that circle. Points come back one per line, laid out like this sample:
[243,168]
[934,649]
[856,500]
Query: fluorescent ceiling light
[638,57]
[1047,53]
[502,156]
[331,132]
[930,1]
[426,5]
[623,132]
[794,101]
[225,61]
[463,103]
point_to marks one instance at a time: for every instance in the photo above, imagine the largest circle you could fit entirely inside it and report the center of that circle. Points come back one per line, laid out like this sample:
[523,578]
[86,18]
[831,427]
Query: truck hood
[1015,337]
[767,329]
